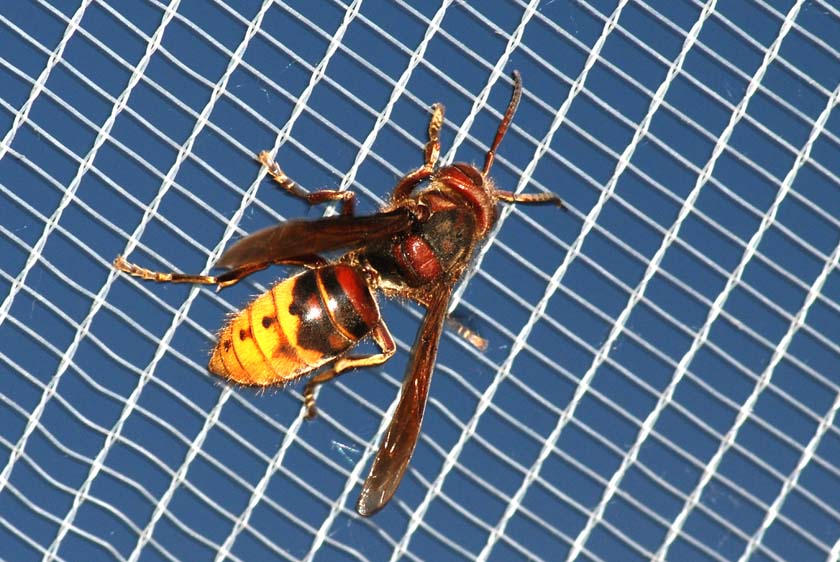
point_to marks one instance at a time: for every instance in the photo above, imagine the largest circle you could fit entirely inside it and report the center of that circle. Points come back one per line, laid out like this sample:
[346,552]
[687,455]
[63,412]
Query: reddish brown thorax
[417,258]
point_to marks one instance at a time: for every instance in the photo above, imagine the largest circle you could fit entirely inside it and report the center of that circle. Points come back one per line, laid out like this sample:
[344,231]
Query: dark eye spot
[267,321]
[243,334]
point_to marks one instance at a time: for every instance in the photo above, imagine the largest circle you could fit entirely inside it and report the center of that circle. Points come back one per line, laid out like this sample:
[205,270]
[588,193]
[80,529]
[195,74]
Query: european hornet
[417,247]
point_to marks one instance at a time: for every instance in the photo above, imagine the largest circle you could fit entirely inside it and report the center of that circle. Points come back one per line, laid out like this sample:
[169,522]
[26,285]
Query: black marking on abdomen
[315,323]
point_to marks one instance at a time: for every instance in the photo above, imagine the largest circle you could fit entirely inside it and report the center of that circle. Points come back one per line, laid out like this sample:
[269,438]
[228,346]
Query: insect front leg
[432,151]
[347,198]
[430,157]
[224,280]
[383,339]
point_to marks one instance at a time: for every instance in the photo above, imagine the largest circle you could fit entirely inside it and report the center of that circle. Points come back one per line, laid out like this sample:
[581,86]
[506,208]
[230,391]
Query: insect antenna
[506,119]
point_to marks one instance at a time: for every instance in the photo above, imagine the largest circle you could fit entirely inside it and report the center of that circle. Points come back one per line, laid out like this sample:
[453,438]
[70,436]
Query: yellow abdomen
[294,328]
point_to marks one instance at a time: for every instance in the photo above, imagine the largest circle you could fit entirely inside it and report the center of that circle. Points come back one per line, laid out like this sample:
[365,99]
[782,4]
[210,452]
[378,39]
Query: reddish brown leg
[224,280]
[453,323]
[383,339]
[347,198]
[530,198]
[432,150]
[430,157]
[309,261]
[471,336]
[407,184]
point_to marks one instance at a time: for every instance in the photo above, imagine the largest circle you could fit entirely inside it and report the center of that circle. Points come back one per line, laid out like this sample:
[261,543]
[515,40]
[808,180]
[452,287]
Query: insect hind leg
[382,337]
[468,334]
[347,199]
[224,280]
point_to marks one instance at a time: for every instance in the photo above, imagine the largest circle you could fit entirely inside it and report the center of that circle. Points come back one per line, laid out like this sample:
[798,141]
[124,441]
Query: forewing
[396,449]
[295,238]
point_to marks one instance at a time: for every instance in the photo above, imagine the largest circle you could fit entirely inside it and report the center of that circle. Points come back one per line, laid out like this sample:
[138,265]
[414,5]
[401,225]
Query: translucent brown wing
[295,238]
[396,449]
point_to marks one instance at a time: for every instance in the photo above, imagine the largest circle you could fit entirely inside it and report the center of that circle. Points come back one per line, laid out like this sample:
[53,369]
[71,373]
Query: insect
[417,247]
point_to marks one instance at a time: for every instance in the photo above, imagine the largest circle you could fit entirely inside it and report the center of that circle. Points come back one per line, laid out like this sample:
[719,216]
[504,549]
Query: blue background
[74,346]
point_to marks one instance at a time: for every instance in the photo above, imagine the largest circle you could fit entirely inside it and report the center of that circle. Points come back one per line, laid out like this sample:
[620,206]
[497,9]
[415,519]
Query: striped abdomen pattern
[300,324]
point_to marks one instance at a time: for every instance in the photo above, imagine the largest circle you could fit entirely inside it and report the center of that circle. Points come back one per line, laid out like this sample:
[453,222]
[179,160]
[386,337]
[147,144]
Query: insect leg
[530,198]
[456,325]
[224,280]
[347,198]
[383,339]
[432,150]
[309,261]
[430,156]
[471,336]
[407,184]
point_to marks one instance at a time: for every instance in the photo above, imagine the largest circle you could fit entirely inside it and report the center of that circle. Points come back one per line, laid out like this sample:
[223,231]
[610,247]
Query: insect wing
[396,449]
[295,238]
